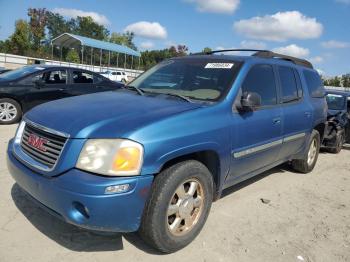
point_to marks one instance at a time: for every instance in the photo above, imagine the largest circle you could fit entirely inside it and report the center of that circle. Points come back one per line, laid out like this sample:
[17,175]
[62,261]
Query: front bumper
[78,197]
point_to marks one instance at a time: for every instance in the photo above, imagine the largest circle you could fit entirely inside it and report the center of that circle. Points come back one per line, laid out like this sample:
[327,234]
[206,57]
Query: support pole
[124,62]
[117,60]
[100,60]
[139,63]
[109,59]
[92,53]
[60,54]
[82,55]
[51,51]
[132,61]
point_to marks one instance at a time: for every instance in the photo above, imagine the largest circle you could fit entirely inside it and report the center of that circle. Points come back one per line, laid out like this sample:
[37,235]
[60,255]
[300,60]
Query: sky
[315,30]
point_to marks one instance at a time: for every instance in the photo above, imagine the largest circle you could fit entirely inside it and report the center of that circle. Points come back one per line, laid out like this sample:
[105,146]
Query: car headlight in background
[111,157]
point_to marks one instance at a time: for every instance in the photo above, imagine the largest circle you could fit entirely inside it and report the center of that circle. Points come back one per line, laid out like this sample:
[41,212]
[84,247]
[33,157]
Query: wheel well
[10,97]
[209,158]
[320,128]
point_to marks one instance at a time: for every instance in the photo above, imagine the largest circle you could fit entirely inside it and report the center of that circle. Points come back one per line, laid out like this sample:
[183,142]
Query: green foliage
[37,23]
[19,42]
[72,56]
[151,58]
[123,39]
[337,81]
[56,25]
[86,26]
[206,50]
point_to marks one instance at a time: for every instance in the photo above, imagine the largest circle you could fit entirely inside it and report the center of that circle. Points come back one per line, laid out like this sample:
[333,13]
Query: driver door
[256,135]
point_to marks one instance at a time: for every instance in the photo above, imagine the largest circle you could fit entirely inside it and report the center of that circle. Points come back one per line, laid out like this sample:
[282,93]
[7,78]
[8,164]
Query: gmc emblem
[37,142]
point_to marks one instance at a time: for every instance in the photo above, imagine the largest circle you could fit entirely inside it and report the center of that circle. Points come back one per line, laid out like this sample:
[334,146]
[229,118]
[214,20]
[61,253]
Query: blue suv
[152,157]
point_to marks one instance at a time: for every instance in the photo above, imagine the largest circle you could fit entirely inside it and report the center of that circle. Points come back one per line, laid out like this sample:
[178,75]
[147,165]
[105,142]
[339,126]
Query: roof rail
[263,54]
[270,54]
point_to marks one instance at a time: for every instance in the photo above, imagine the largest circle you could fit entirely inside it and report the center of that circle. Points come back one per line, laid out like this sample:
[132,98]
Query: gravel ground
[304,218]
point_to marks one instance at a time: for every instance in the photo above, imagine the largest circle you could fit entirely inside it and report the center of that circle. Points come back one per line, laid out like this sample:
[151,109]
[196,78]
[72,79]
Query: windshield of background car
[15,74]
[202,79]
[335,102]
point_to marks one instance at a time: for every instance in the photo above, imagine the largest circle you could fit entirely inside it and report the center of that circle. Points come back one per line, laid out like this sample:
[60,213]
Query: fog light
[117,189]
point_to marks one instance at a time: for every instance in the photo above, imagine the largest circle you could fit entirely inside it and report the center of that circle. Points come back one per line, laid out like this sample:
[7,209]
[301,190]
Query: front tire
[308,163]
[10,111]
[178,206]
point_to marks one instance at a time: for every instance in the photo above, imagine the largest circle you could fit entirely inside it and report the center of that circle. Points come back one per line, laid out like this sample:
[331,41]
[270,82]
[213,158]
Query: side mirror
[250,101]
[39,83]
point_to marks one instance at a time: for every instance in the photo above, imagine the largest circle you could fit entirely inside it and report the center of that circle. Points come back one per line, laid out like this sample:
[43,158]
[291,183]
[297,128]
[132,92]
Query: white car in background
[117,76]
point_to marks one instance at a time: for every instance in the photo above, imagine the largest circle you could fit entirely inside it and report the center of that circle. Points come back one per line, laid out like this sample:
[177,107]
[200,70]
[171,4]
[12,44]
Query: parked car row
[22,89]
[153,156]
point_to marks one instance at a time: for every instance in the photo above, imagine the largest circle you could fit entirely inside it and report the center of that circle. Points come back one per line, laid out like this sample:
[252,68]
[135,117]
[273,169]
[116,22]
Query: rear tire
[308,163]
[10,111]
[178,206]
[339,143]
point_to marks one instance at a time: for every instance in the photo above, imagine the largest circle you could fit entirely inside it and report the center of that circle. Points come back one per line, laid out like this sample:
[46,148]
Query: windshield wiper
[179,96]
[138,90]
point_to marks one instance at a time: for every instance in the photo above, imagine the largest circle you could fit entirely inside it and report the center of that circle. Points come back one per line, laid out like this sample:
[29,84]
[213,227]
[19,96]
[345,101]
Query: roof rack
[264,54]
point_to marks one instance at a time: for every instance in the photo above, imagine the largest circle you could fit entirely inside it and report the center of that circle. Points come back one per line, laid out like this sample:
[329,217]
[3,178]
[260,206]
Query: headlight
[111,157]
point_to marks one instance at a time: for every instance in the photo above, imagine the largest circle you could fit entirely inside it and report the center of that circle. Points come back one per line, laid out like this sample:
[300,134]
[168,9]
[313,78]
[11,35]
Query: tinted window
[314,84]
[299,85]
[203,79]
[80,77]
[118,73]
[261,80]
[288,84]
[49,77]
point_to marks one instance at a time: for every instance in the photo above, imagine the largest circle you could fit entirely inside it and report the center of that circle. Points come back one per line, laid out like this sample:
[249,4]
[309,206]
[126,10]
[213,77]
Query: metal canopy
[71,40]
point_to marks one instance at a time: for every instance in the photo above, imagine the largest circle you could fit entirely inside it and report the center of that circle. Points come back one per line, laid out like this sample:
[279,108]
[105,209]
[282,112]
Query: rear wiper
[177,95]
[138,90]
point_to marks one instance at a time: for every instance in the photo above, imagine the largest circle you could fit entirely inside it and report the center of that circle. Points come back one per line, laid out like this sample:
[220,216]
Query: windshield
[15,74]
[335,102]
[202,79]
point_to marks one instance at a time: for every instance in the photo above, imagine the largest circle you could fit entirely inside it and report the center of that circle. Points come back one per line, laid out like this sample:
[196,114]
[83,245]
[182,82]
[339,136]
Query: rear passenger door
[297,112]
[256,135]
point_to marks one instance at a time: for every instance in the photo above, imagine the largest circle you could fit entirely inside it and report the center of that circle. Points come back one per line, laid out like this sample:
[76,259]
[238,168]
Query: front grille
[50,150]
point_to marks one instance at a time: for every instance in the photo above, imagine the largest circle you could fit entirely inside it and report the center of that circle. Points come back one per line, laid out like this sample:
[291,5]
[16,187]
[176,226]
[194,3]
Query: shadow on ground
[70,236]
[77,239]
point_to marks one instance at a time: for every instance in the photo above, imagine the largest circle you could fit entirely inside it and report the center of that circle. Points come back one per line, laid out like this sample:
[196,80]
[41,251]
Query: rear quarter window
[314,84]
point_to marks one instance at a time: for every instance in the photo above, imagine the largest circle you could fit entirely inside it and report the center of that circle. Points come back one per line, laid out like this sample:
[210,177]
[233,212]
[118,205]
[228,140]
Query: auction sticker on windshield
[219,65]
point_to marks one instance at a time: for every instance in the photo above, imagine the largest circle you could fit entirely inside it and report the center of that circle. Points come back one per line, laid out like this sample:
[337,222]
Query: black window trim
[239,93]
[298,85]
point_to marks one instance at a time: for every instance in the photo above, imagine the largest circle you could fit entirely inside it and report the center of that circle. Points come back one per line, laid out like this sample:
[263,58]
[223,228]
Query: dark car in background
[24,88]
[338,120]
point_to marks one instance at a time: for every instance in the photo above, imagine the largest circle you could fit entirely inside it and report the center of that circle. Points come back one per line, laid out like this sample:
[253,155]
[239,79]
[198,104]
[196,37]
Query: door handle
[307,114]
[276,120]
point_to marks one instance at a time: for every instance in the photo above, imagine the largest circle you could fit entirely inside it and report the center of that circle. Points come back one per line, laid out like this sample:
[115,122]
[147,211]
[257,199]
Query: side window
[80,77]
[261,80]
[288,84]
[50,77]
[118,73]
[98,79]
[314,84]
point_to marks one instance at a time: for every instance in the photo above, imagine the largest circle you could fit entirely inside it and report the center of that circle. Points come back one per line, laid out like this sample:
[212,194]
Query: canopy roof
[70,40]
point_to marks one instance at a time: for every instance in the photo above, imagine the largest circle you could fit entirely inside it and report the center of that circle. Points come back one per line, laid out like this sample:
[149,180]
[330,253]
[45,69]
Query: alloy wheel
[8,112]
[185,207]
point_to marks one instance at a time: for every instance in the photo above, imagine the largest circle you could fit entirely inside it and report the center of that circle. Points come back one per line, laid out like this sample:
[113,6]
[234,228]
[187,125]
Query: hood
[105,115]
